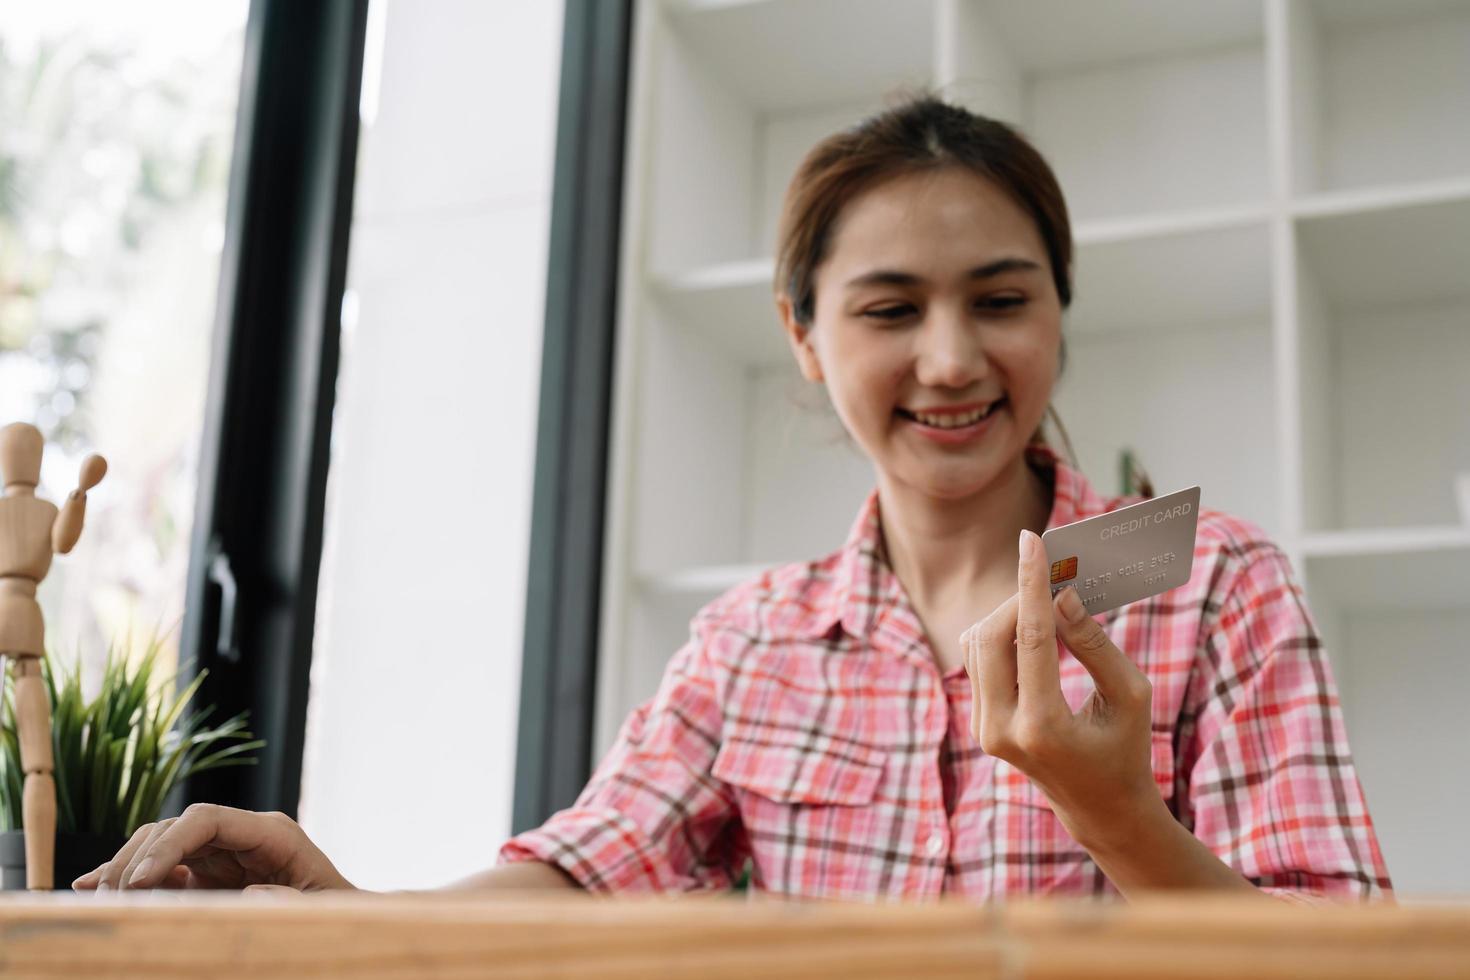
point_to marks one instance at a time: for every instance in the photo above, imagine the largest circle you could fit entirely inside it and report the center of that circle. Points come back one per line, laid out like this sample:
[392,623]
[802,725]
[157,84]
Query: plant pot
[76,854]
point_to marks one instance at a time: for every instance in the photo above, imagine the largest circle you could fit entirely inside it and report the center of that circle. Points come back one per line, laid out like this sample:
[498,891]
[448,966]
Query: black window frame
[250,603]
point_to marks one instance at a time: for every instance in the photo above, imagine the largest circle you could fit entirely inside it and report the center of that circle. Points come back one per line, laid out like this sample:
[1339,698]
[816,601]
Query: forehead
[934,222]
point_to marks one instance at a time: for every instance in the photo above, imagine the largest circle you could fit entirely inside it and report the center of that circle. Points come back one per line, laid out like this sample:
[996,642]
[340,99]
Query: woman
[839,725]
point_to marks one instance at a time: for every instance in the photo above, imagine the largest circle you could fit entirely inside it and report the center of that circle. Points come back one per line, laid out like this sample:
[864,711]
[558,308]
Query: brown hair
[919,134]
[922,133]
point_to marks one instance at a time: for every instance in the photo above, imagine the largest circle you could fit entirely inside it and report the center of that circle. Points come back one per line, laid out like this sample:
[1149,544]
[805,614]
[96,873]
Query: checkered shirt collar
[863,582]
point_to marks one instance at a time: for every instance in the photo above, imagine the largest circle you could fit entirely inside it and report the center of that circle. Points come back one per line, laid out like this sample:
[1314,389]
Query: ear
[799,338]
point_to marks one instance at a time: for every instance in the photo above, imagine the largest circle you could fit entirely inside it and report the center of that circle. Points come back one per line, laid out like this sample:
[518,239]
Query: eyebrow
[893,277]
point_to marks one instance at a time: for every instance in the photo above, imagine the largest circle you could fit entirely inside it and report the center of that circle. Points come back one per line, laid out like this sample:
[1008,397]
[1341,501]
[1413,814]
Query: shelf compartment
[1394,611]
[1114,100]
[1393,605]
[789,56]
[1384,327]
[745,463]
[1403,677]
[743,90]
[1175,397]
[1388,249]
[1179,273]
[1379,92]
[688,449]
[732,305]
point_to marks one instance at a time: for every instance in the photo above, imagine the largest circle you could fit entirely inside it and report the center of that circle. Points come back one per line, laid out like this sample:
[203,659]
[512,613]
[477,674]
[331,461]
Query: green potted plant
[117,756]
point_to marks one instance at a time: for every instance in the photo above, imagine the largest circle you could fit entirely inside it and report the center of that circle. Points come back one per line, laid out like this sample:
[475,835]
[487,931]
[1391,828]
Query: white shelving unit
[1271,202]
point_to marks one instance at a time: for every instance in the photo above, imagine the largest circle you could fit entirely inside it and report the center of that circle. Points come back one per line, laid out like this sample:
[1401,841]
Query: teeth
[954,421]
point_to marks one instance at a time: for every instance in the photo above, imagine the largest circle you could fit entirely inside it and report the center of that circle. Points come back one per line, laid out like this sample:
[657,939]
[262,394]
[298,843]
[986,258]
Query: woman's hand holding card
[1093,765]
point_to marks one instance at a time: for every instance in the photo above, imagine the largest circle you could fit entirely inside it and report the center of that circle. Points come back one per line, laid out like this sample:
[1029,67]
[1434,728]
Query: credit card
[1127,554]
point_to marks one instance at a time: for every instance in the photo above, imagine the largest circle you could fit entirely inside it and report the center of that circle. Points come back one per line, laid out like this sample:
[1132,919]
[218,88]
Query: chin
[956,479]
[955,486]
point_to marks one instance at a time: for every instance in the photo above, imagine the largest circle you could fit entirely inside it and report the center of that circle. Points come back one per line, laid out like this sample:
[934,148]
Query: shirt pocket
[812,813]
[828,771]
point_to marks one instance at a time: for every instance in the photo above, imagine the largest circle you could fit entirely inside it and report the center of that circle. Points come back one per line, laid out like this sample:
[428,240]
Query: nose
[950,353]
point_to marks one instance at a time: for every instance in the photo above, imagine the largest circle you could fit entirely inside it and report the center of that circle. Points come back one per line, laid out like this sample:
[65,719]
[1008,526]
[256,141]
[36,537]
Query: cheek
[863,374]
[867,395]
[1030,357]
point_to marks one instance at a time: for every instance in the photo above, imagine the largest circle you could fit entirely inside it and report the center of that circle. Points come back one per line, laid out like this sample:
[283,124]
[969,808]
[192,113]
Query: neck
[938,548]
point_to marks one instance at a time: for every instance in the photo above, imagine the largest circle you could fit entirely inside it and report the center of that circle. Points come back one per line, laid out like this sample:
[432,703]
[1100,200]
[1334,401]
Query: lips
[951,417]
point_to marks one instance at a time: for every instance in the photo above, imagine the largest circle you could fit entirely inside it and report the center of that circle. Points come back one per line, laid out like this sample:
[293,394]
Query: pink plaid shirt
[806,727]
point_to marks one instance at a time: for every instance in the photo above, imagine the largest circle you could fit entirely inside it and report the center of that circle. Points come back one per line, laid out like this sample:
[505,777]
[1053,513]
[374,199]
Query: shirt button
[934,846]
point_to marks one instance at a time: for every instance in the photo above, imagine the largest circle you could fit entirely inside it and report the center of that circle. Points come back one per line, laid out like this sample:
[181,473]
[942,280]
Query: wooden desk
[433,936]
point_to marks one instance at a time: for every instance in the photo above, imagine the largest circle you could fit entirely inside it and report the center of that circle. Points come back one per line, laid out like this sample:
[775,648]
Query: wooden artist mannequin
[30,533]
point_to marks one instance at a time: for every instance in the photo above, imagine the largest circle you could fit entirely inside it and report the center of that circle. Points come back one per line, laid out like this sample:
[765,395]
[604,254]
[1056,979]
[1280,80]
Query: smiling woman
[837,724]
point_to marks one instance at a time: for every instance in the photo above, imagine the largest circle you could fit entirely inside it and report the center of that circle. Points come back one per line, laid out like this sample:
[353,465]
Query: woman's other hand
[1093,765]
[212,846]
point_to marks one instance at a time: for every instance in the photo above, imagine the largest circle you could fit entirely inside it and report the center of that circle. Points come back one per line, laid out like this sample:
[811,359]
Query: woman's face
[937,329]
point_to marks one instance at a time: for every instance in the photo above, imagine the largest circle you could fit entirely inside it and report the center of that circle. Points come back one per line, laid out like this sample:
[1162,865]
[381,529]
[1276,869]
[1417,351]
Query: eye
[1000,304]
[888,314]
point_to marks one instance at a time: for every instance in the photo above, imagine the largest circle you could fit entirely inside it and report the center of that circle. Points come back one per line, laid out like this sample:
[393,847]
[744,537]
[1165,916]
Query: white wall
[1409,742]
[415,683]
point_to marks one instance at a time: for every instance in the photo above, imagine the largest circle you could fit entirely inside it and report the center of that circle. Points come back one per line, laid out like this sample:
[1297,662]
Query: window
[114,160]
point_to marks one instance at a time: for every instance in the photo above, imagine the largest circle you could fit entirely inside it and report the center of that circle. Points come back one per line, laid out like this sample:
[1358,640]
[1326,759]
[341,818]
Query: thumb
[277,891]
[1116,677]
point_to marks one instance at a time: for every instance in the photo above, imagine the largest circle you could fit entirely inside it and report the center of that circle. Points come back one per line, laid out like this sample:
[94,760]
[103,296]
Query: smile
[951,419]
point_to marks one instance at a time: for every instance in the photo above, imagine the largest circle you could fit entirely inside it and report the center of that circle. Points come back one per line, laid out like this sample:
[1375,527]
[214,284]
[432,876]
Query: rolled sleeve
[1272,787]
[652,818]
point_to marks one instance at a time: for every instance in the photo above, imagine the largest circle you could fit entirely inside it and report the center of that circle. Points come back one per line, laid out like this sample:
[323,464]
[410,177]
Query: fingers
[271,890]
[105,877]
[114,874]
[138,855]
[178,878]
[210,847]
[1037,671]
[970,649]
[992,665]
[200,826]
[1116,677]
